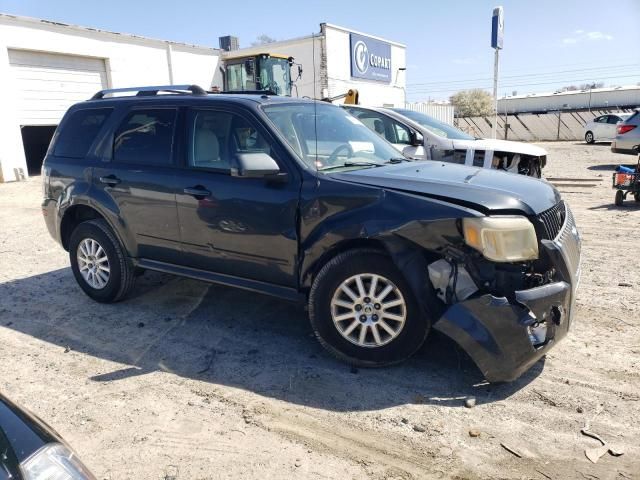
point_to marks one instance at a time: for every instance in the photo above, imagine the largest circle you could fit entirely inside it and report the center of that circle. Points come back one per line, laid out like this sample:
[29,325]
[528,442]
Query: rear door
[140,181]
[610,127]
[245,227]
[600,127]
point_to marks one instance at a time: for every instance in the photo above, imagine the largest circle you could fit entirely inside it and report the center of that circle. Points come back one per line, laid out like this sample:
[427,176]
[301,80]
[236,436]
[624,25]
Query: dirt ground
[186,380]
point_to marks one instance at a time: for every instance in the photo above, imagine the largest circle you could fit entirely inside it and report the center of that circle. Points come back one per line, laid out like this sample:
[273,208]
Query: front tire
[363,311]
[619,198]
[589,138]
[99,263]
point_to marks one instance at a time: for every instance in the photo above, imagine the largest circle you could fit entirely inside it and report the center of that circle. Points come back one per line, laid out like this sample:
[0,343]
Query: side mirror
[416,138]
[255,165]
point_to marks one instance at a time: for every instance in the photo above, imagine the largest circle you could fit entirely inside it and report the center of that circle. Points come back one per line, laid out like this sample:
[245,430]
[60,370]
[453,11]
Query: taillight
[625,128]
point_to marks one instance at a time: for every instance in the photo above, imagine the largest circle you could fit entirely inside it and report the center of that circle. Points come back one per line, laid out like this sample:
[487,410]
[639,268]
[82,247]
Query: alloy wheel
[368,310]
[93,263]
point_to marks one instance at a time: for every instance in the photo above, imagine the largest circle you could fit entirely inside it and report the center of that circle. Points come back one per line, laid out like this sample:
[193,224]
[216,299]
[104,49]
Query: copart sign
[370,58]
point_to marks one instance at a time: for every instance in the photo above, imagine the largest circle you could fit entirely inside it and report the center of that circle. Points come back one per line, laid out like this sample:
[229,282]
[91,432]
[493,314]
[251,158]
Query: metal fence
[444,113]
[561,125]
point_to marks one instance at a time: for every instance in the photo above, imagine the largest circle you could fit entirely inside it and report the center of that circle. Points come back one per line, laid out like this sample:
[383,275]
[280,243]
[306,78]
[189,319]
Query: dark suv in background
[298,199]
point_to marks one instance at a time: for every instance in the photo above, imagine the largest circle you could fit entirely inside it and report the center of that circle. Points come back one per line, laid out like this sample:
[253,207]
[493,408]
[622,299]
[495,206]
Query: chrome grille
[553,220]
[569,242]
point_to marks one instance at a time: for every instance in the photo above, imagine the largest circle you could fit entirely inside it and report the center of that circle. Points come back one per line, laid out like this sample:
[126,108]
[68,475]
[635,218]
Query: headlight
[54,462]
[502,239]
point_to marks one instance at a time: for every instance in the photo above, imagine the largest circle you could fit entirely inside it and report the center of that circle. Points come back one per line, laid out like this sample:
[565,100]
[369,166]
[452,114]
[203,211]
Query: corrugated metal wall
[444,113]
[566,125]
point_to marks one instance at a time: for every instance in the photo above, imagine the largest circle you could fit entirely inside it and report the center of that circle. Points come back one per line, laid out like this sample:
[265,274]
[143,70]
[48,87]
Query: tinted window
[614,119]
[145,137]
[602,119]
[79,131]
[216,137]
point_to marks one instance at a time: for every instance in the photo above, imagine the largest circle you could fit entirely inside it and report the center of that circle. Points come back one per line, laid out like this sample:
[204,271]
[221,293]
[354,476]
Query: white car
[603,128]
[422,137]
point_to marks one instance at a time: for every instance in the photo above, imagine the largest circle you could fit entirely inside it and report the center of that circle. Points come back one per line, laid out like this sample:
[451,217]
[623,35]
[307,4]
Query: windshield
[274,75]
[435,126]
[341,141]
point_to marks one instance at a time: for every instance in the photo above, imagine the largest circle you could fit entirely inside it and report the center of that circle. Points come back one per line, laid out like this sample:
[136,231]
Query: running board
[279,291]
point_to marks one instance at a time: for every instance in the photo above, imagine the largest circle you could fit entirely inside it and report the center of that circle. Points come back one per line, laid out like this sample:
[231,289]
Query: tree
[582,86]
[263,40]
[472,103]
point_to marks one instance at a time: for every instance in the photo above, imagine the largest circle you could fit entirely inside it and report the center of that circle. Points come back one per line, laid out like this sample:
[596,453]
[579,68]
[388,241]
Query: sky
[548,44]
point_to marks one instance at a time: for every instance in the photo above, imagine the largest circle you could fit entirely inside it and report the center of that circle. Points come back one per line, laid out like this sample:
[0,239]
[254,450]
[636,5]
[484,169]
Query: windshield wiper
[349,163]
[398,160]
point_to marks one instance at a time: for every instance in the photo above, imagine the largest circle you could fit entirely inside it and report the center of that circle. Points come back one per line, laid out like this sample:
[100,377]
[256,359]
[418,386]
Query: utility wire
[428,90]
[529,75]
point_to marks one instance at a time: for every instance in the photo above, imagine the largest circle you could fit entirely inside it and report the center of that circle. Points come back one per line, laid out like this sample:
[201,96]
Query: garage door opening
[35,140]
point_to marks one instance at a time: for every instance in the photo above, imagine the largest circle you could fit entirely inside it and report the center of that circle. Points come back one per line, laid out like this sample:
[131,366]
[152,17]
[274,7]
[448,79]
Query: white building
[340,59]
[45,67]
[613,98]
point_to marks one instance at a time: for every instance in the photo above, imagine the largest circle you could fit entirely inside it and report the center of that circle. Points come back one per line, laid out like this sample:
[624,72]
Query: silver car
[628,135]
[422,137]
[603,128]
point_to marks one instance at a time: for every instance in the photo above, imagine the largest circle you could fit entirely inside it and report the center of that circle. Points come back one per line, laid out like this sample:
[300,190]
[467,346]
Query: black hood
[479,188]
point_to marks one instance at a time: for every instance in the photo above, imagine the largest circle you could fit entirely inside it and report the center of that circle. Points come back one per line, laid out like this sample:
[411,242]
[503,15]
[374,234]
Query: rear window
[633,118]
[80,131]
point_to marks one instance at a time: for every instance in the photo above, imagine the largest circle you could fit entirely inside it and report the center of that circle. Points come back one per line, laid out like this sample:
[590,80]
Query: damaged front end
[528,165]
[507,315]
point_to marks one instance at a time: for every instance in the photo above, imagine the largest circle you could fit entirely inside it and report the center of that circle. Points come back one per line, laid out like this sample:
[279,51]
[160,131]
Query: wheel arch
[81,212]
[410,258]
[313,262]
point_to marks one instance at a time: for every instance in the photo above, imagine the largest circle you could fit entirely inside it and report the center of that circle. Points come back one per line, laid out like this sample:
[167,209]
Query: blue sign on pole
[497,28]
[370,58]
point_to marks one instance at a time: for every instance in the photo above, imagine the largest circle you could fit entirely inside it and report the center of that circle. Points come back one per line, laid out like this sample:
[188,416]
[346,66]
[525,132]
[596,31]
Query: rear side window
[145,137]
[79,131]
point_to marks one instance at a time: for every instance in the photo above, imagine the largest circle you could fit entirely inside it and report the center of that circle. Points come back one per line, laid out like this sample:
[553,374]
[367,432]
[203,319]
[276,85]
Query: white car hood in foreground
[501,146]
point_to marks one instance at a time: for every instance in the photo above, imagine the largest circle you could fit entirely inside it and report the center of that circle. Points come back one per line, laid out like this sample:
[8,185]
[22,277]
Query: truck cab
[266,72]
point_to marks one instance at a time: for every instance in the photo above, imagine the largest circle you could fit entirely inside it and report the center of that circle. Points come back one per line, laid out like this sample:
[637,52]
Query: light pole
[591,86]
[404,90]
[497,33]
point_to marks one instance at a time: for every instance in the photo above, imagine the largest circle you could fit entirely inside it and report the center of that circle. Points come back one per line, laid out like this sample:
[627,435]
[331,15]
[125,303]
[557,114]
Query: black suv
[298,199]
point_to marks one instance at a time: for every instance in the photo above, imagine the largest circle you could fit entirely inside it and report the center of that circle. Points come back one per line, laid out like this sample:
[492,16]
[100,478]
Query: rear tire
[589,138]
[394,327]
[636,197]
[619,198]
[99,263]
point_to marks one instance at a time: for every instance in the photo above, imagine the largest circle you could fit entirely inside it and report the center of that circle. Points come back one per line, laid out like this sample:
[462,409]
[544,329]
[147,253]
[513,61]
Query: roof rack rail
[153,90]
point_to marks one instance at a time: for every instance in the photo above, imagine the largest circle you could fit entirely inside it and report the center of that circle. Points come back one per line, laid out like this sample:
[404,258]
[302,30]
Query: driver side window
[216,137]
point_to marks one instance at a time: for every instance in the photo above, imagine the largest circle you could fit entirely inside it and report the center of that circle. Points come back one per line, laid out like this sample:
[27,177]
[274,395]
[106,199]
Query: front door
[140,182]
[245,227]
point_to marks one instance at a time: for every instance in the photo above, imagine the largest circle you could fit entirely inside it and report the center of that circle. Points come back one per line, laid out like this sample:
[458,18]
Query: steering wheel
[334,155]
[272,86]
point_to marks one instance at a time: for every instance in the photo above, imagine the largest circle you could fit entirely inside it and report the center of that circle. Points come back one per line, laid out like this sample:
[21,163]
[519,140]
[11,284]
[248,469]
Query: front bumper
[494,331]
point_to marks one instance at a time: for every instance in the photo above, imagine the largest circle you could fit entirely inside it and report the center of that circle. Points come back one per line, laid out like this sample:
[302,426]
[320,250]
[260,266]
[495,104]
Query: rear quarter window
[79,131]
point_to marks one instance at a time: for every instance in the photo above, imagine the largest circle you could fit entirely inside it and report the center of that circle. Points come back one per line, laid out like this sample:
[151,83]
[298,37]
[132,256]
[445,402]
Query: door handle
[110,180]
[198,192]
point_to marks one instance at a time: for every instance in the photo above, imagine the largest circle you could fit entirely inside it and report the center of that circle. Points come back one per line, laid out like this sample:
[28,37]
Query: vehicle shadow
[629,205]
[609,167]
[595,145]
[231,337]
